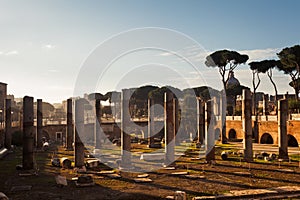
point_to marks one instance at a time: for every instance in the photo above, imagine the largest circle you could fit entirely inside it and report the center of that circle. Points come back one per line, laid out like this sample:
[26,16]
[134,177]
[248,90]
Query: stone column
[223,108]
[282,129]
[200,121]
[209,132]
[39,123]
[79,132]
[247,125]
[8,124]
[70,133]
[176,120]
[97,125]
[125,135]
[28,133]
[169,128]
[151,123]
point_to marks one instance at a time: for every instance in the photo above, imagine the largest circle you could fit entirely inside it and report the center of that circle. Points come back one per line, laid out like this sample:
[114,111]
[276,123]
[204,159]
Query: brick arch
[232,134]
[292,141]
[266,138]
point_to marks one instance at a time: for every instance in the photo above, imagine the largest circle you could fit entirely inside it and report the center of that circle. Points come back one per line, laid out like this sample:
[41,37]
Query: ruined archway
[266,138]
[232,134]
[292,141]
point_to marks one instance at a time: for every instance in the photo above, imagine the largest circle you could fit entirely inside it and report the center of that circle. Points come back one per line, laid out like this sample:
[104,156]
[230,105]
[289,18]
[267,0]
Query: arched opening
[232,134]
[45,135]
[266,138]
[217,134]
[292,142]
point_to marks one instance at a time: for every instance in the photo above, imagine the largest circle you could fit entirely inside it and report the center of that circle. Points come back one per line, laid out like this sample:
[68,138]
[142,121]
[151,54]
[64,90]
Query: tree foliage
[290,60]
[266,66]
[158,94]
[225,60]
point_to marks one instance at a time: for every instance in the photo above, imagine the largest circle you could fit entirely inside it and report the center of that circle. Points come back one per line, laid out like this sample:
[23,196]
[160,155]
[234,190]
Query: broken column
[79,132]
[8,133]
[247,125]
[176,120]
[97,125]
[151,123]
[125,135]
[282,129]
[28,133]
[69,138]
[200,121]
[169,128]
[39,123]
[223,108]
[209,132]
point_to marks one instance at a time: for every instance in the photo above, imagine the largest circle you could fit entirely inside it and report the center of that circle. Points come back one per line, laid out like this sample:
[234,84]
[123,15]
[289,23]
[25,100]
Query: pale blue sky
[43,44]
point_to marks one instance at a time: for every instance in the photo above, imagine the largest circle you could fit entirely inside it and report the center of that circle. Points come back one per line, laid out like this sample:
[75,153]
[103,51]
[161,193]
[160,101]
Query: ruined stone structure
[70,128]
[125,123]
[169,114]
[3,95]
[79,133]
[39,124]
[28,133]
[8,121]
[247,125]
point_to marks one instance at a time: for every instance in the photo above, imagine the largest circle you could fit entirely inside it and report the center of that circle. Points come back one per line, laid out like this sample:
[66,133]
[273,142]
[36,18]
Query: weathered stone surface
[282,129]
[70,129]
[92,163]
[247,125]
[113,175]
[39,123]
[180,195]
[8,133]
[28,133]
[152,156]
[125,137]
[180,173]
[61,180]
[143,175]
[84,181]
[169,128]
[142,180]
[79,132]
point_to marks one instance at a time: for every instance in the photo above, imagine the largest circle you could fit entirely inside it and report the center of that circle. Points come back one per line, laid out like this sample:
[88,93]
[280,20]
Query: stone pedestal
[97,125]
[28,133]
[200,121]
[151,123]
[8,133]
[209,132]
[39,124]
[125,135]
[282,129]
[70,128]
[247,125]
[169,128]
[79,133]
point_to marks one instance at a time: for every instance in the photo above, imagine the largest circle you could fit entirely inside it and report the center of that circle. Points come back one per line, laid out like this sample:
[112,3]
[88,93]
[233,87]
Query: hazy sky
[44,44]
